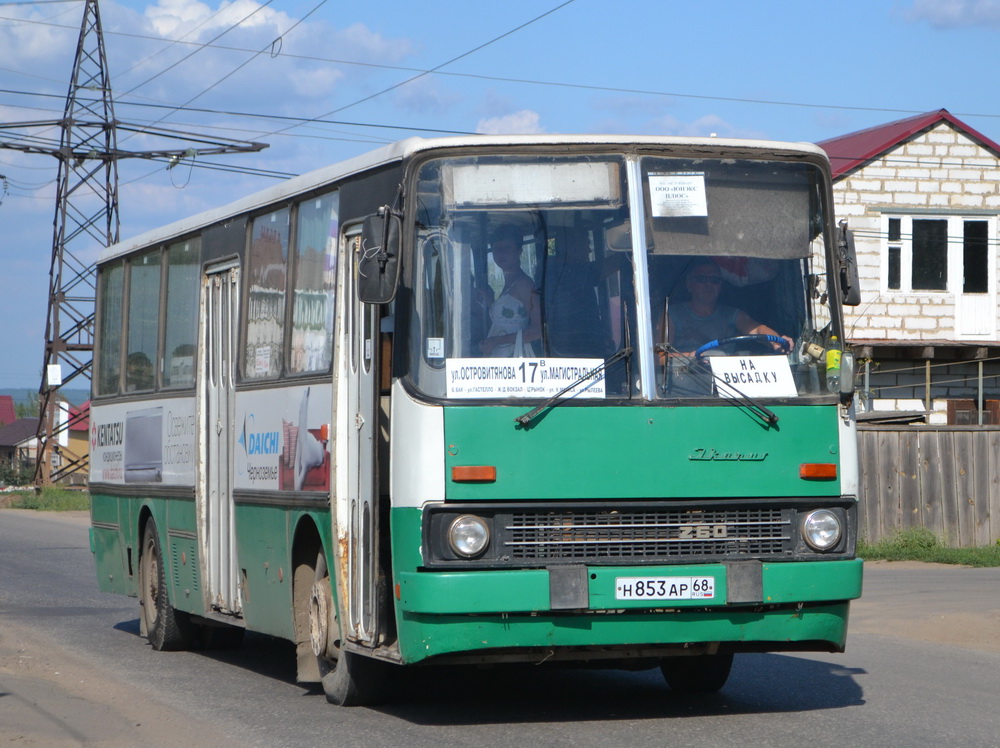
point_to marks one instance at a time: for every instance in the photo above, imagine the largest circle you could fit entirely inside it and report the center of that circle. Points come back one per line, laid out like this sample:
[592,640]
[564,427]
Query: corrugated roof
[79,417]
[8,413]
[19,431]
[855,149]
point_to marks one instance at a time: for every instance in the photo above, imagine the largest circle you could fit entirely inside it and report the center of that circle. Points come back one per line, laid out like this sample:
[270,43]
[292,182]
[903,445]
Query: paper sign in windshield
[678,194]
[754,376]
[523,377]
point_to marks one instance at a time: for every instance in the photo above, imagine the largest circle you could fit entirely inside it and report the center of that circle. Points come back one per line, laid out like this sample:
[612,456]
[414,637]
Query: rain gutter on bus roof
[405,148]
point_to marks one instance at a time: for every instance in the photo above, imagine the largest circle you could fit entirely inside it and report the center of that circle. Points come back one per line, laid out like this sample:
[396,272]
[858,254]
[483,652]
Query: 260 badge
[664,588]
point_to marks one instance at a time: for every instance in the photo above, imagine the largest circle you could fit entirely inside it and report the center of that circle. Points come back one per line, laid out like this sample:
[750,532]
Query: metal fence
[944,478]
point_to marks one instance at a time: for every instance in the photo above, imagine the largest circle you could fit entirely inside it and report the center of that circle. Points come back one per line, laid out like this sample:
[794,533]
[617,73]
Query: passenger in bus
[138,372]
[575,323]
[515,314]
[703,319]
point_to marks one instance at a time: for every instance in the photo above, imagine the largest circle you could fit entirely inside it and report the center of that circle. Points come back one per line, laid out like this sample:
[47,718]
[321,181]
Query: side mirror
[850,285]
[847,375]
[378,261]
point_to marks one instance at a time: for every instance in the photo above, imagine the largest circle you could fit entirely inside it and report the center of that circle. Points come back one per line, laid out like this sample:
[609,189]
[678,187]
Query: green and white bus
[426,406]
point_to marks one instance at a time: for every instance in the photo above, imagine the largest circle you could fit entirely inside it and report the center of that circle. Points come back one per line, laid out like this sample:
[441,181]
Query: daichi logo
[259,442]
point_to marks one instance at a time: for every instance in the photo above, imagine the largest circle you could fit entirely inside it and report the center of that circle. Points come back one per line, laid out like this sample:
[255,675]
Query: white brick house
[922,196]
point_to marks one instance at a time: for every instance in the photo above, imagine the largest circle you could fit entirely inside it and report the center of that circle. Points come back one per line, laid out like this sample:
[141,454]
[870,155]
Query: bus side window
[267,268]
[109,329]
[143,323]
[181,305]
[315,286]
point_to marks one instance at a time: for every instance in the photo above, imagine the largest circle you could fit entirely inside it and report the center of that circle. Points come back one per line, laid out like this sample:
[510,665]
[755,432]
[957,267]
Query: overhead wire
[465,54]
[527,81]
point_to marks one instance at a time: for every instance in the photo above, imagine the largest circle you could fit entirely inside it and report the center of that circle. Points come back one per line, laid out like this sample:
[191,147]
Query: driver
[703,319]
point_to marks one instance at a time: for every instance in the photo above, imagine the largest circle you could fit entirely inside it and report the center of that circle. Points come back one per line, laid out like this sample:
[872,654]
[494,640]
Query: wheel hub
[320,605]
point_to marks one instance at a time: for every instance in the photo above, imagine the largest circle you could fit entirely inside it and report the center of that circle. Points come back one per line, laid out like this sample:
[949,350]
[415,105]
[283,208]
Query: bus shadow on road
[760,683]
[454,695]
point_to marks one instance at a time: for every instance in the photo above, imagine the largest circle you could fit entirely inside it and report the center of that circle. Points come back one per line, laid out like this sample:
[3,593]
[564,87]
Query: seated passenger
[515,315]
[574,323]
[702,319]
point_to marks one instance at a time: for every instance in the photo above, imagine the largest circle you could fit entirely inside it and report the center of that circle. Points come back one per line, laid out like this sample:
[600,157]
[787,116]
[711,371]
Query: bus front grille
[647,535]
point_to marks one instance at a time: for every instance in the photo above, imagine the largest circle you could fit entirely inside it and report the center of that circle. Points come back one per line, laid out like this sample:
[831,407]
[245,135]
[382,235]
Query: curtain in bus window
[143,321]
[267,263]
[110,331]
[181,329]
[315,284]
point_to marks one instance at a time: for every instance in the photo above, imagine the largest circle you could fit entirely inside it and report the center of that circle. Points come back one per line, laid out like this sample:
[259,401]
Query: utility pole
[86,212]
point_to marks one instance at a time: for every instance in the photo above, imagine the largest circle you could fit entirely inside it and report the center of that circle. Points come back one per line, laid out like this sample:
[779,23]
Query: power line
[526,81]
[200,48]
[449,62]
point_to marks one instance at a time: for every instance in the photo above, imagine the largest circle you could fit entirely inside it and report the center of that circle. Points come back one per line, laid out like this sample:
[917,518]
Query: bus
[430,406]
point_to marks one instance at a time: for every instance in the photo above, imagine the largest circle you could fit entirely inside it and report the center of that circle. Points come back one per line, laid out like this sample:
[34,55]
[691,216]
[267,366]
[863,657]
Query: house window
[937,254]
[975,255]
[895,253]
[930,255]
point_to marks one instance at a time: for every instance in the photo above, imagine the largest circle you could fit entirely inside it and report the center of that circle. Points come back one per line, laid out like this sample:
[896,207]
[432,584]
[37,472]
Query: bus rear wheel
[348,679]
[697,674]
[164,627]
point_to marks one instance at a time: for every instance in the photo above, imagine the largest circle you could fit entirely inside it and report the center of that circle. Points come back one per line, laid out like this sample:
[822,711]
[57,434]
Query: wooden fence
[944,478]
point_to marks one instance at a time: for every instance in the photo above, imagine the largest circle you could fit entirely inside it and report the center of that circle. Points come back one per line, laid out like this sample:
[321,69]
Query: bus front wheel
[164,627]
[348,679]
[697,674]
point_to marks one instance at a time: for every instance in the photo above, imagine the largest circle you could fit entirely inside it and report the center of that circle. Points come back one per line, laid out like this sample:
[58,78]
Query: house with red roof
[922,198]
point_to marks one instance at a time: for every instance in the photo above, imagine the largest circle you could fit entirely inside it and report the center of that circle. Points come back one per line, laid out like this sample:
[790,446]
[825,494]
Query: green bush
[51,500]
[12,474]
[920,544]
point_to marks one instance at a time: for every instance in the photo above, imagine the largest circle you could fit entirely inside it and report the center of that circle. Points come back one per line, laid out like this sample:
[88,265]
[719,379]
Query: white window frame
[956,261]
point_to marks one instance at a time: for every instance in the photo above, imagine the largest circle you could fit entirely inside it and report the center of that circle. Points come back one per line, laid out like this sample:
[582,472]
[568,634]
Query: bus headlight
[468,535]
[822,529]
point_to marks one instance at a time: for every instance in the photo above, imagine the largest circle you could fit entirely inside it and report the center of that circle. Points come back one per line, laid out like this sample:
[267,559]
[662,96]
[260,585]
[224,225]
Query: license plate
[664,588]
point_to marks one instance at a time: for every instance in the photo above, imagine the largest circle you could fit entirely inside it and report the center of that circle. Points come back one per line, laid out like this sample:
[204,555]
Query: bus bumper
[802,606]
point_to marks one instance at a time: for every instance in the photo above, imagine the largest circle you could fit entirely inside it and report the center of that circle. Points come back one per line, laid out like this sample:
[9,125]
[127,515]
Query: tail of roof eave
[852,151]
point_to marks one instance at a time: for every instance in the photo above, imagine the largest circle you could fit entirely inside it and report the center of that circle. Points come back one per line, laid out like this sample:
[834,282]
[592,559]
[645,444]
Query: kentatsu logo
[701,454]
[107,434]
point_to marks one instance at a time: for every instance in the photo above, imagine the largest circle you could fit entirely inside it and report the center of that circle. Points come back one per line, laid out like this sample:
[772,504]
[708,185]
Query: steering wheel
[761,343]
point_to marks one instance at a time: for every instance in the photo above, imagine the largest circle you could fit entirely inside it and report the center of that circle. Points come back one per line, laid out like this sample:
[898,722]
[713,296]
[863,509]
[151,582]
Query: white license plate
[664,588]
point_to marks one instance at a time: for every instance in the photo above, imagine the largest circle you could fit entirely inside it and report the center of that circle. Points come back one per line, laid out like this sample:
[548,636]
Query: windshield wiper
[765,414]
[525,418]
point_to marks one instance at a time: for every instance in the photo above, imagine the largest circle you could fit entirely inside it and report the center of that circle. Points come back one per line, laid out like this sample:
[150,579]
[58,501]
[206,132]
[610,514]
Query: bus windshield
[525,278]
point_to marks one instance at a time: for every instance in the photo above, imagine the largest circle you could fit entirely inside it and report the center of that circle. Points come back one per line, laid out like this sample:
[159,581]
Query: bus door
[362,520]
[215,491]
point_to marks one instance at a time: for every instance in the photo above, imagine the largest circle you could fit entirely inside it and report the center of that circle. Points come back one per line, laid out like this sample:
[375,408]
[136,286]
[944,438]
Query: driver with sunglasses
[702,319]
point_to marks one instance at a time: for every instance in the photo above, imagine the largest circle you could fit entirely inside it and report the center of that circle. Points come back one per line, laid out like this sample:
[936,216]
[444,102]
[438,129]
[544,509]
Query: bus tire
[697,674]
[165,628]
[355,680]
[348,679]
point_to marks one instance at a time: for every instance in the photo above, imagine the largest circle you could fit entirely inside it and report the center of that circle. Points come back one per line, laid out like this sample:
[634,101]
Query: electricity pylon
[86,211]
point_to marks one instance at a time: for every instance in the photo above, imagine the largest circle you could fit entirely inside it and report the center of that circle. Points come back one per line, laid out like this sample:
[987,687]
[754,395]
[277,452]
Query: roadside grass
[920,544]
[48,500]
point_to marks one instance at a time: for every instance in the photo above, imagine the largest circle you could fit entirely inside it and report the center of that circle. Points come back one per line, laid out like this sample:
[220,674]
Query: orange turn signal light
[474,473]
[818,471]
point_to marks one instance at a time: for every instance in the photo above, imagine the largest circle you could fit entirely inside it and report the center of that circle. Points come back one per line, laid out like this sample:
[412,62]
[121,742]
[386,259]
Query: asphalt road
[922,668]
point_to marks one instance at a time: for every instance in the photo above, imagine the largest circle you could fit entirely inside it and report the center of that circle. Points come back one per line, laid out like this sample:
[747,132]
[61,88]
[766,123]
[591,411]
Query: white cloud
[176,16]
[358,42]
[707,125]
[951,14]
[424,96]
[317,82]
[523,122]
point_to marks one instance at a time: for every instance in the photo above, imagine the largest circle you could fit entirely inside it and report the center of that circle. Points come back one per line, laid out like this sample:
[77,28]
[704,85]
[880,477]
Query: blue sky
[783,70]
